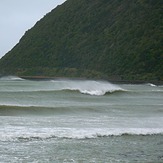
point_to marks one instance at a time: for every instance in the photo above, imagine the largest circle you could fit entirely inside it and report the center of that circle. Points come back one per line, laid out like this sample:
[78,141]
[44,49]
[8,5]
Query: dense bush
[114,37]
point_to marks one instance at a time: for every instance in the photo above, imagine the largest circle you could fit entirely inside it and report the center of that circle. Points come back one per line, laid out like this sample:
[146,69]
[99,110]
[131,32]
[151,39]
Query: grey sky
[17,16]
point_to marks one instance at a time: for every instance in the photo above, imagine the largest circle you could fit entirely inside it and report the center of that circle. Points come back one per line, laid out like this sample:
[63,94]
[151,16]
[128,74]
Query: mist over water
[80,121]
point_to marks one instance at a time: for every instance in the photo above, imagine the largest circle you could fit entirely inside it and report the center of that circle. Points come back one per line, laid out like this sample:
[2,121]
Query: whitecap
[90,87]
[30,134]
[152,85]
[10,78]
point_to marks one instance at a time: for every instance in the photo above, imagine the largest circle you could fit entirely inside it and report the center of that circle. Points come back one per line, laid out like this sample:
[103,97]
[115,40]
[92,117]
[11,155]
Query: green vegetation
[93,38]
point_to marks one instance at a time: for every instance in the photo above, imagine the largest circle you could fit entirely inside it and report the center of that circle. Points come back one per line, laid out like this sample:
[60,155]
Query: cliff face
[87,38]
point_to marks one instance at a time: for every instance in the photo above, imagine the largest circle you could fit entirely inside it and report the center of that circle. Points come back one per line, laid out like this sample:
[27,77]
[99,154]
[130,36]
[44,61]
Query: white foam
[152,85]
[21,133]
[10,78]
[91,87]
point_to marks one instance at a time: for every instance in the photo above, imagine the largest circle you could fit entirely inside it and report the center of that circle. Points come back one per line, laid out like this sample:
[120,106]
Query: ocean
[80,121]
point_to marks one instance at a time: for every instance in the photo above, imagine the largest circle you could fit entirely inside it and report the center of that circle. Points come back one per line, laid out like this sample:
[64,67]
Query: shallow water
[80,121]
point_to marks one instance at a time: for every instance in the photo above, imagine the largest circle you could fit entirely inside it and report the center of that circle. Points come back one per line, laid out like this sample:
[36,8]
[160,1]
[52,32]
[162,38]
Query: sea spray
[90,87]
[10,78]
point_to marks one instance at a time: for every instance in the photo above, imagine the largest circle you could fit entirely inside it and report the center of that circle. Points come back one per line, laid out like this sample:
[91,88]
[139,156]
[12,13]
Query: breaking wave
[11,78]
[24,134]
[151,84]
[89,87]
[98,88]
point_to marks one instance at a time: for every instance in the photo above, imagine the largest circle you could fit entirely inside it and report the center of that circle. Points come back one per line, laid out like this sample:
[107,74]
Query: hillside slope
[85,38]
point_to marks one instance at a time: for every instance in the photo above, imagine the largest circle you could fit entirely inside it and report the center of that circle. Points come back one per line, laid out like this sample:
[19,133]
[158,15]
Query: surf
[32,134]
[11,78]
[87,87]
[90,87]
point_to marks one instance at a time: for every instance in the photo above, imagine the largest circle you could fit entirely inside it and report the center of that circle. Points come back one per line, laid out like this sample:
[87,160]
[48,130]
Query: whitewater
[82,121]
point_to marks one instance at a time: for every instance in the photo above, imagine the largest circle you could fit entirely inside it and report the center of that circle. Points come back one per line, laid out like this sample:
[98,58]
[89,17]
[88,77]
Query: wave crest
[96,88]
[151,84]
[73,133]
[89,87]
[10,78]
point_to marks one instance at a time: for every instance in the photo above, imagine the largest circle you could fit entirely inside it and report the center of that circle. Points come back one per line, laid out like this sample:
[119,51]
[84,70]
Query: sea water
[80,121]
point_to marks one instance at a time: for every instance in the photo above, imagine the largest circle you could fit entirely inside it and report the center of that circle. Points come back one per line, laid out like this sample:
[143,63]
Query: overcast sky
[17,16]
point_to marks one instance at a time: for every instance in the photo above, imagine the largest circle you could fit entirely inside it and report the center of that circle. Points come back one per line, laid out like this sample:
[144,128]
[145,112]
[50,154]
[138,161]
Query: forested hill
[93,38]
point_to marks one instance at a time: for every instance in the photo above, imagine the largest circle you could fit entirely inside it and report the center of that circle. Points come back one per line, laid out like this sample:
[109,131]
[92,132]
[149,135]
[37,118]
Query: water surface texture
[80,121]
